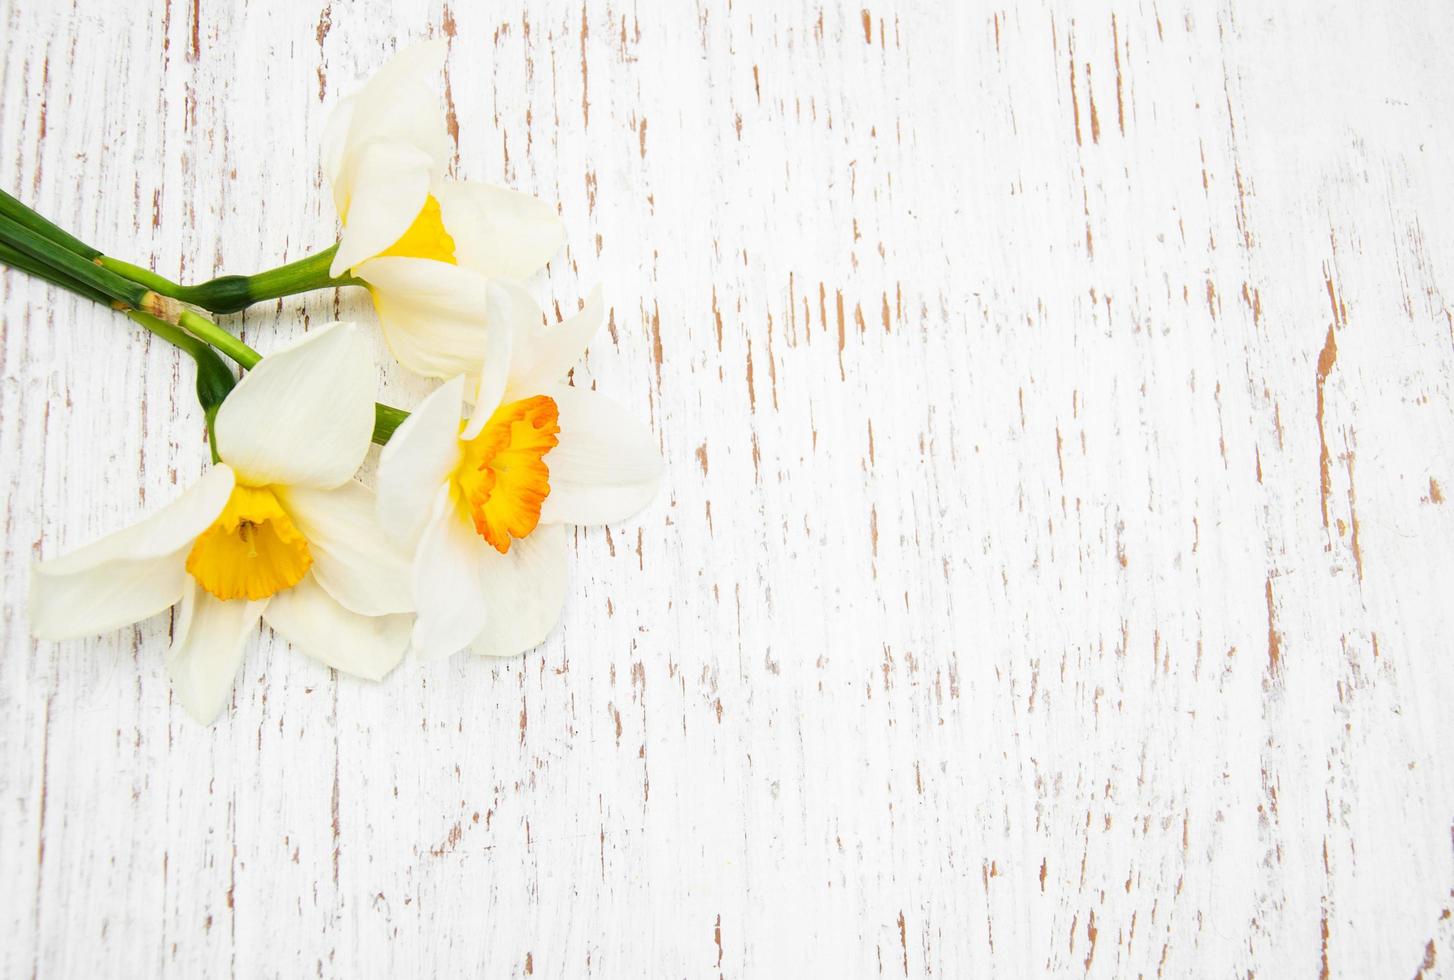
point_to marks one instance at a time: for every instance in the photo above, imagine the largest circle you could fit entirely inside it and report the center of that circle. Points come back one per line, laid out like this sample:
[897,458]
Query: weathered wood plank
[1052,575]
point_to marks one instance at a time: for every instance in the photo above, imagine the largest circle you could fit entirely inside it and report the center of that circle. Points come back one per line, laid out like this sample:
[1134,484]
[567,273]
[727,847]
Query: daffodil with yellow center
[426,246]
[426,238]
[252,551]
[484,502]
[278,531]
[502,475]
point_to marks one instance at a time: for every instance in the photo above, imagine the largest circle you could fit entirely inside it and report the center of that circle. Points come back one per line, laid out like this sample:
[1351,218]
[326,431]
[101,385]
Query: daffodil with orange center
[426,246]
[278,531]
[484,502]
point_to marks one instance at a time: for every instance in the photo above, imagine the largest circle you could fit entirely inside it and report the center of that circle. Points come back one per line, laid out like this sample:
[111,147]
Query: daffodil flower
[485,502]
[278,531]
[426,246]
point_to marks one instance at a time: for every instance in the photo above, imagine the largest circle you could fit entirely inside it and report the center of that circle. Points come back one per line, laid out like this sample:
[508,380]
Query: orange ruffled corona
[253,550]
[503,475]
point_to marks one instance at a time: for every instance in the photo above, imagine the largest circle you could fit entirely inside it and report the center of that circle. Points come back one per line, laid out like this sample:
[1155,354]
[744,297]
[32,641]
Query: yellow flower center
[426,237]
[252,550]
[503,476]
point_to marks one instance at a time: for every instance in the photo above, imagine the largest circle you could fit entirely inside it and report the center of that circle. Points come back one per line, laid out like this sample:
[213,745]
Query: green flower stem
[225,294]
[229,294]
[204,329]
[36,246]
[11,208]
[214,379]
[151,280]
[387,418]
[60,259]
[17,259]
[169,332]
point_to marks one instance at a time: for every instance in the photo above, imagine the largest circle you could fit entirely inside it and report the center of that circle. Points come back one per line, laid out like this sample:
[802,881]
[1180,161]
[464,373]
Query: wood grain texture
[1052,574]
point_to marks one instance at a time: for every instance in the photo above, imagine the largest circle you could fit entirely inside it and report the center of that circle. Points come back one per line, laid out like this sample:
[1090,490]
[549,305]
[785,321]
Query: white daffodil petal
[352,558]
[207,646]
[170,528]
[527,592]
[335,149]
[127,576]
[389,183]
[305,414]
[546,354]
[419,62]
[450,600]
[606,466]
[433,315]
[417,461]
[400,104]
[308,617]
[507,319]
[106,597]
[500,232]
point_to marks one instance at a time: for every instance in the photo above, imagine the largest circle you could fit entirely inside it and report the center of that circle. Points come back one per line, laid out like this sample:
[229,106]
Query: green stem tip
[11,208]
[58,258]
[204,329]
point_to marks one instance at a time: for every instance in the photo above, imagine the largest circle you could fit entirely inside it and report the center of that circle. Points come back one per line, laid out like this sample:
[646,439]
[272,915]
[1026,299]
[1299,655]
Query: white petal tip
[202,715]
[423,58]
[426,651]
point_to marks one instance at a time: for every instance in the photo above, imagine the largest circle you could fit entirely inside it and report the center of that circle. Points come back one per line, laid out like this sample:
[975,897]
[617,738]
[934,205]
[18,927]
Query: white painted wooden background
[1053,572]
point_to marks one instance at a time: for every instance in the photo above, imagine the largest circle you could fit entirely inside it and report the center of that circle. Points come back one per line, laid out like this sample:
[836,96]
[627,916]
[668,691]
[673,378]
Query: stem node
[161,306]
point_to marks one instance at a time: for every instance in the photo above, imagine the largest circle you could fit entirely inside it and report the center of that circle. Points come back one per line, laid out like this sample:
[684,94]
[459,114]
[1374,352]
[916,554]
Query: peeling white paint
[999,616]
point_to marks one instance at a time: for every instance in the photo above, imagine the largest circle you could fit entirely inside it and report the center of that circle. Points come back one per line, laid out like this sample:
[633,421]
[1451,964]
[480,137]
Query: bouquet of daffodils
[462,545]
